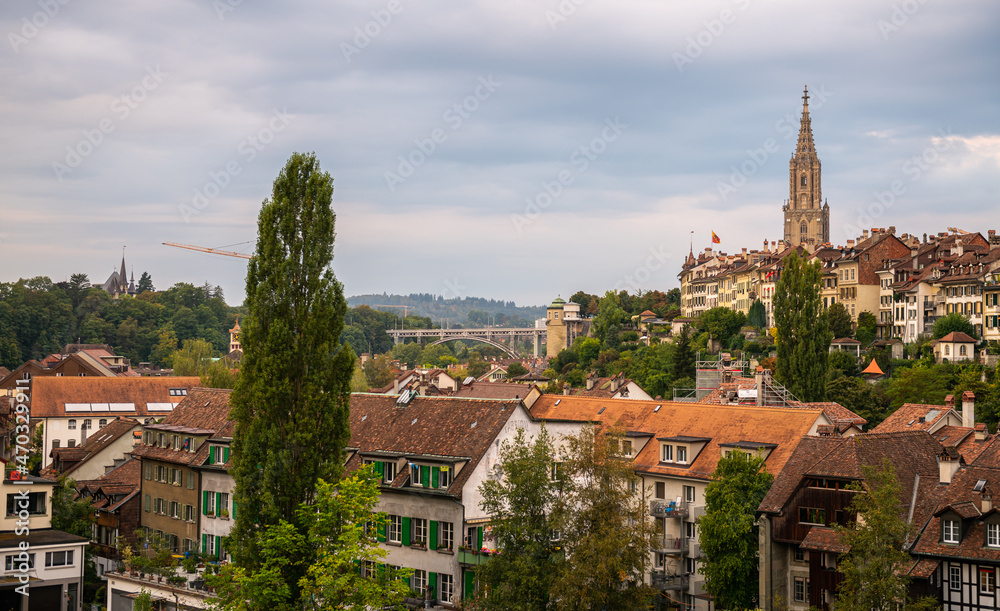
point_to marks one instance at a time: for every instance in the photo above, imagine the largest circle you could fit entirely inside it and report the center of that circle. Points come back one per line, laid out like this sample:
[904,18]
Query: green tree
[874,570]
[953,322]
[928,384]
[682,357]
[840,321]
[605,525]
[862,398]
[757,317]
[844,362]
[359,382]
[408,354]
[220,374]
[477,366]
[515,370]
[166,346]
[722,323]
[291,401]
[729,531]
[867,328]
[194,358]
[332,536]
[520,504]
[803,334]
[607,325]
[378,371]
[145,284]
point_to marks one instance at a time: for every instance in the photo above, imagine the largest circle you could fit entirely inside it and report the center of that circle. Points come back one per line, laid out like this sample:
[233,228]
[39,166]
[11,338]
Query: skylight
[979,486]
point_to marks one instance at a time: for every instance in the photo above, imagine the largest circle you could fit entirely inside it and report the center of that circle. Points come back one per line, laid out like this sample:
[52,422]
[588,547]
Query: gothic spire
[805,145]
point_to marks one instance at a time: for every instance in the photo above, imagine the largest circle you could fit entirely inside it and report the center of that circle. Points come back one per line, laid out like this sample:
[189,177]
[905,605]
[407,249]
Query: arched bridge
[490,335]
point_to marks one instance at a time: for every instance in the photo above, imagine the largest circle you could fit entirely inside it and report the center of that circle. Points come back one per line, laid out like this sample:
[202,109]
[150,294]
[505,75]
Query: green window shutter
[233,512]
[479,538]
[380,469]
[406,531]
[204,502]
[433,543]
[225,454]
[218,546]
[204,544]
[435,476]
[432,581]
[218,503]
[211,455]
[425,475]
[149,471]
[470,584]
[146,502]
[381,532]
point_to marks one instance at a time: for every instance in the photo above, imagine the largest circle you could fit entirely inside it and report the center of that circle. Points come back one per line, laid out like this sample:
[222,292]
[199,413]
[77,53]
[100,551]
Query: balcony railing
[662,581]
[671,545]
[472,557]
[668,509]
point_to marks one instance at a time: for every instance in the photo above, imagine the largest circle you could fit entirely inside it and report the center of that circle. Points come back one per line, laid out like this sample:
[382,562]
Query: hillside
[455,311]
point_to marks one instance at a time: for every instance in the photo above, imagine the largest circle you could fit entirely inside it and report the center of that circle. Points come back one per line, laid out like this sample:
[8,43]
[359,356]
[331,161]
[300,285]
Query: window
[210,500]
[419,580]
[949,531]
[804,181]
[689,494]
[661,560]
[103,422]
[87,424]
[803,228]
[626,447]
[175,510]
[444,478]
[188,545]
[419,531]
[955,576]
[661,490]
[391,469]
[801,590]
[395,534]
[189,513]
[987,581]
[190,480]
[993,535]
[682,454]
[71,443]
[812,515]
[13,563]
[59,558]
[223,502]
[447,587]
[961,350]
[447,530]
[34,502]
[72,425]
[415,475]
[146,502]
[800,554]
[689,530]
[556,471]
[667,453]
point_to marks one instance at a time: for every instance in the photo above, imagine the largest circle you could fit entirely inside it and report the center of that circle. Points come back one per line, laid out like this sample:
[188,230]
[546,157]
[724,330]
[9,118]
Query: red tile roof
[49,395]
[908,418]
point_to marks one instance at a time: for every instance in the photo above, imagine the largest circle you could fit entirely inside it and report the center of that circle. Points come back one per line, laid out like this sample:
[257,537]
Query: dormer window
[993,535]
[682,454]
[949,531]
[667,453]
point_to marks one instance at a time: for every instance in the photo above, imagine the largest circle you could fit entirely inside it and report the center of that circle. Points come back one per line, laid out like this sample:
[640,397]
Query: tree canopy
[803,332]
[953,322]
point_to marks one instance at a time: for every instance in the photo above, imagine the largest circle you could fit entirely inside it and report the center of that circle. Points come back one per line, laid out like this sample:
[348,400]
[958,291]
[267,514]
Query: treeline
[39,317]
[455,311]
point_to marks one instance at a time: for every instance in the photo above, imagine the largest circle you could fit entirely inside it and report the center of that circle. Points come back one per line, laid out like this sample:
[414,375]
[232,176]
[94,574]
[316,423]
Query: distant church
[118,283]
[807,217]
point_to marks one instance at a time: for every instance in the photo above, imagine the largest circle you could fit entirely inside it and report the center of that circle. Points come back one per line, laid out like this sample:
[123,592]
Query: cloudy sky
[512,149]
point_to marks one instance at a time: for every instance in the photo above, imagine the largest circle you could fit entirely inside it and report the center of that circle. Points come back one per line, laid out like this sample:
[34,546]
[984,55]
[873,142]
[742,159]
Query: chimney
[925,238]
[968,409]
[590,381]
[949,402]
[981,432]
[850,243]
[987,500]
[892,229]
[566,389]
[759,378]
[864,234]
[949,462]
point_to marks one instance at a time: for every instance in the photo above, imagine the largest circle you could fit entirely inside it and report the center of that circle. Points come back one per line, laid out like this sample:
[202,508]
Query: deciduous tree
[953,322]
[729,531]
[840,321]
[803,332]
[291,400]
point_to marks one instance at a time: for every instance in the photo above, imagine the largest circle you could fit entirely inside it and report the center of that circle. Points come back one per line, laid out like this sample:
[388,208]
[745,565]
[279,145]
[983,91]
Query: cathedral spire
[805,145]
[806,218]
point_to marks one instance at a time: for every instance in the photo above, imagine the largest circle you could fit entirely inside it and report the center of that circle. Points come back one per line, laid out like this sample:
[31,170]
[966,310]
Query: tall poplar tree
[291,402]
[803,331]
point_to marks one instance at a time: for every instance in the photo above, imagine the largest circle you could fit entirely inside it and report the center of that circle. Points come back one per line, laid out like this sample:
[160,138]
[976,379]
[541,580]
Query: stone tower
[807,216]
[555,328]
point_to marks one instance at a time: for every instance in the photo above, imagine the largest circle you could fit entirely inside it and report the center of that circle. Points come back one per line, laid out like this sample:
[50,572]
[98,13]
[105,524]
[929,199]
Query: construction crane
[958,231]
[213,251]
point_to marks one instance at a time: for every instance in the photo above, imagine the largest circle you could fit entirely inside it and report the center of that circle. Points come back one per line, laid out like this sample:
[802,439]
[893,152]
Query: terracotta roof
[720,424]
[49,395]
[959,496]
[913,417]
[845,340]
[873,368]
[824,539]
[493,390]
[958,336]
[205,410]
[444,427]
[837,412]
[924,568]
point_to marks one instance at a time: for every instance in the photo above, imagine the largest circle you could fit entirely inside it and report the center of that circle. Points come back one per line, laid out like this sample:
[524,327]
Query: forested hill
[455,310]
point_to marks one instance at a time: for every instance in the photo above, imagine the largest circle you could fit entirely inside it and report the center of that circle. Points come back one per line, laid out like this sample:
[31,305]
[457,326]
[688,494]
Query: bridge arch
[473,338]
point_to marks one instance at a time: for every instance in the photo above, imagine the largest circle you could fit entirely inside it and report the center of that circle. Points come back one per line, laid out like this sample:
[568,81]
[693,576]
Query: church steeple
[807,219]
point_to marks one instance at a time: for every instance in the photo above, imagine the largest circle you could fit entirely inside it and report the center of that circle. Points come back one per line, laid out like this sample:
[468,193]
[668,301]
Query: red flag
[715,239]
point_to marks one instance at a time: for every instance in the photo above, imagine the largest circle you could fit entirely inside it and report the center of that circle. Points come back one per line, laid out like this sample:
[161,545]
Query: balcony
[668,509]
[671,545]
[661,581]
[472,557]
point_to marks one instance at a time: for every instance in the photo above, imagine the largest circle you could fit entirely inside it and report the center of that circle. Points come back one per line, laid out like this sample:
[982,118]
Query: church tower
[807,216]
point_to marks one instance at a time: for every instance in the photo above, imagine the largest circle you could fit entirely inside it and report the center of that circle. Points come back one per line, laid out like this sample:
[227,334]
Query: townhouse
[71,409]
[117,508]
[44,563]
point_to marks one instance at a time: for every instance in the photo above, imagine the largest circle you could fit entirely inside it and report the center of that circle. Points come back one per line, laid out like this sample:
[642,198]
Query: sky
[514,149]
